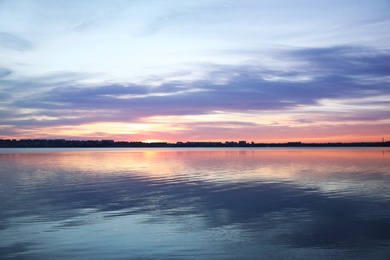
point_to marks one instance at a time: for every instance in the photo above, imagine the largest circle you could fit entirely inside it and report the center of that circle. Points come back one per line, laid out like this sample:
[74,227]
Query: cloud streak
[14,42]
[244,87]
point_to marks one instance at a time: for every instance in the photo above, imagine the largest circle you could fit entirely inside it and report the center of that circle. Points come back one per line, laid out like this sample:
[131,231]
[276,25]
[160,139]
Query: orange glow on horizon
[212,128]
[152,141]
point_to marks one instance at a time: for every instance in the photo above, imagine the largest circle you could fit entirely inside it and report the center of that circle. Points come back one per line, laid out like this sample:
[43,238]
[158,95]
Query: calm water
[194,204]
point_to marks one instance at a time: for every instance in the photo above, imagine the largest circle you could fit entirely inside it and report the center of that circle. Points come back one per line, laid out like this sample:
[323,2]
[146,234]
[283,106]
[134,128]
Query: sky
[195,70]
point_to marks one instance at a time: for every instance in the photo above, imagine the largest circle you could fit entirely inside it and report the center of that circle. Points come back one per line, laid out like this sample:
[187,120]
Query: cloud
[345,60]
[5,72]
[244,87]
[341,75]
[14,42]
[4,96]
[248,88]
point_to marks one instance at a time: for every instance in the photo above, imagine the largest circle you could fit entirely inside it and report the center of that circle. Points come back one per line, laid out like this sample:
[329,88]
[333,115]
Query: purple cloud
[332,75]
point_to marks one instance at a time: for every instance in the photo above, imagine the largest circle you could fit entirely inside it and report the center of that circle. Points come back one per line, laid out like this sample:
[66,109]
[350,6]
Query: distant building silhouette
[42,143]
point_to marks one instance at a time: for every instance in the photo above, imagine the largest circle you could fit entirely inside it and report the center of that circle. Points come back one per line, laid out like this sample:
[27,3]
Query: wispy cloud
[244,90]
[14,42]
[4,72]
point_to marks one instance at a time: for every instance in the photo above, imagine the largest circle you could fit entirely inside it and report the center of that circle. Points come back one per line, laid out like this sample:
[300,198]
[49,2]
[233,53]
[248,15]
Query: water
[194,204]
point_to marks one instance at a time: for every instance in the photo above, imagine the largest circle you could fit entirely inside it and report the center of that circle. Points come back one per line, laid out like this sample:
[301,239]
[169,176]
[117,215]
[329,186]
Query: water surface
[194,204]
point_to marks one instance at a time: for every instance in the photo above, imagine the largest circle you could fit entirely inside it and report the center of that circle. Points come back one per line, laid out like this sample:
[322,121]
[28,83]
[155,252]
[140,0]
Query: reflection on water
[199,203]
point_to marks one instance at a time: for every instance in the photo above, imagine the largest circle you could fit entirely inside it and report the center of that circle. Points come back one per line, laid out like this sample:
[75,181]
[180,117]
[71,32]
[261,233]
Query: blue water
[194,204]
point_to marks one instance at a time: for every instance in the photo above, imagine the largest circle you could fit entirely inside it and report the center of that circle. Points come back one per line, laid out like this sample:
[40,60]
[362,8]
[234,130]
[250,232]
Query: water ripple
[195,204]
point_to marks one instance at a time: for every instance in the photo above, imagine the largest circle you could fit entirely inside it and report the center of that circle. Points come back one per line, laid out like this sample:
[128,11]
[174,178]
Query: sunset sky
[195,70]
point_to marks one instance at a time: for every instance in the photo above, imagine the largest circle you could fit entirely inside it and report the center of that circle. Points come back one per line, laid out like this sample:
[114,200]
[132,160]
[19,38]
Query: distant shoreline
[62,143]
